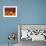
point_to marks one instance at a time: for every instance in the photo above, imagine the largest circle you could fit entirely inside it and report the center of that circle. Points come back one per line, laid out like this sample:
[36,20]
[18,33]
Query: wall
[29,12]
[7,25]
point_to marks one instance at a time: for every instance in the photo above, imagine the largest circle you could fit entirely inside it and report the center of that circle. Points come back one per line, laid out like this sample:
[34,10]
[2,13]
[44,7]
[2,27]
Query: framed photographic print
[9,11]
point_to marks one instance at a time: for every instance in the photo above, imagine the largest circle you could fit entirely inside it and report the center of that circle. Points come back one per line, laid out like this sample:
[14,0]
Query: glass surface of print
[10,11]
